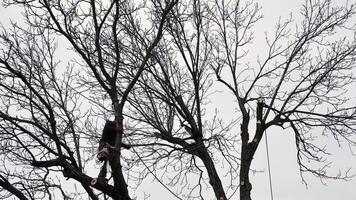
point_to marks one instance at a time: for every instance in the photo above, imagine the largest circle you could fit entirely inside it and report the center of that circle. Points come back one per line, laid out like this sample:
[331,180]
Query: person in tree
[106,146]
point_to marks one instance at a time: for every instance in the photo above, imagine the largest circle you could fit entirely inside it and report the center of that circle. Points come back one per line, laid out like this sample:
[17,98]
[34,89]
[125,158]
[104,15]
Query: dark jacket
[109,133]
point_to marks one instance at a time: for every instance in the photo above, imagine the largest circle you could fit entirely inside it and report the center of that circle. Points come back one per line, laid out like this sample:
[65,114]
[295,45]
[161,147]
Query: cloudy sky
[287,184]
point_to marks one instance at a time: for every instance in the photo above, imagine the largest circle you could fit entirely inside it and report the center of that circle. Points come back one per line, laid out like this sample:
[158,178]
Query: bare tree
[171,100]
[302,85]
[42,112]
[156,63]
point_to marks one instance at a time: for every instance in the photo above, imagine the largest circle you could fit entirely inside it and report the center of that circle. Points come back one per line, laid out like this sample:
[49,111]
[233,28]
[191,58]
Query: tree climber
[106,146]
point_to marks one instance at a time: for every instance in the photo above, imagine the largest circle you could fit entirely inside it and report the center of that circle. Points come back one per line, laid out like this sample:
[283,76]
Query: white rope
[269,167]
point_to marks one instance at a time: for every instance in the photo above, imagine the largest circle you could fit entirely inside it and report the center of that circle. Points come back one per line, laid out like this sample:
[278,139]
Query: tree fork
[248,150]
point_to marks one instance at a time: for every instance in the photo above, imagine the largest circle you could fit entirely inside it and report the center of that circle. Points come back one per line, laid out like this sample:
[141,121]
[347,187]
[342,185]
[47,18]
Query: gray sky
[287,184]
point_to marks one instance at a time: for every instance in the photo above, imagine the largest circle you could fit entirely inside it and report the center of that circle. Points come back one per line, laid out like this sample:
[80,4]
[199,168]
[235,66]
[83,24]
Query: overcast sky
[287,184]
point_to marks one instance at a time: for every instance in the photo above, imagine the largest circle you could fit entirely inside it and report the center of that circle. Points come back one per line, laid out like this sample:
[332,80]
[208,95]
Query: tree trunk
[214,179]
[115,162]
[248,150]
[245,184]
[119,180]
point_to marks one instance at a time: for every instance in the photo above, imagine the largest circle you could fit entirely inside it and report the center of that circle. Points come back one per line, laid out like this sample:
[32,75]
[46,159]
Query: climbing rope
[269,167]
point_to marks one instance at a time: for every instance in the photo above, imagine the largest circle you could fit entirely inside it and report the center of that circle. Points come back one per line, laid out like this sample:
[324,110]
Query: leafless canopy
[49,112]
[159,64]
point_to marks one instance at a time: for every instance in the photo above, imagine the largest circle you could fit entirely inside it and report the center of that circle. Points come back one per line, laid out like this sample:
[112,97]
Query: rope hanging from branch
[269,167]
